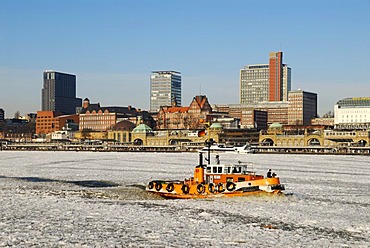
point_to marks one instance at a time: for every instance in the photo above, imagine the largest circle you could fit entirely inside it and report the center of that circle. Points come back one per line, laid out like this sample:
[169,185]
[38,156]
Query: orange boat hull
[218,195]
[186,190]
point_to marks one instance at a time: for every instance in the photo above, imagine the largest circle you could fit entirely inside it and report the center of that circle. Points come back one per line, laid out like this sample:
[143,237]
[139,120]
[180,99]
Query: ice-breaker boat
[217,180]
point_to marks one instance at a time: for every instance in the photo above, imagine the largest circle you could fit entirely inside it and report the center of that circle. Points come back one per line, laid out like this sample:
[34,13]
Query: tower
[276,76]
[59,93]
[265,82]
[86,103]
[165,89]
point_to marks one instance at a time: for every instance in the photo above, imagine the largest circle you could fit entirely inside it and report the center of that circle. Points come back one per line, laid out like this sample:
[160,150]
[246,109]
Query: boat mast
[209,143]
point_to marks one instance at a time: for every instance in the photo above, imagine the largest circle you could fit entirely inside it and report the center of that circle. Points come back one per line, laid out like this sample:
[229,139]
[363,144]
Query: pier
[100,147]
[118,147]
[312,150]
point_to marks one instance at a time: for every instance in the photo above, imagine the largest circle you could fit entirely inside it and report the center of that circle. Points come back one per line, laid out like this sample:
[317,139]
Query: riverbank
[103,147]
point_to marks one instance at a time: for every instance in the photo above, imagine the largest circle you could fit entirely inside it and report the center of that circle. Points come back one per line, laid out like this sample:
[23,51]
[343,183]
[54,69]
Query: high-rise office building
[254,84]
[59,93]
[302,107]
[265,82]
[165,89]
[2,114]
[276,76]
[287,82]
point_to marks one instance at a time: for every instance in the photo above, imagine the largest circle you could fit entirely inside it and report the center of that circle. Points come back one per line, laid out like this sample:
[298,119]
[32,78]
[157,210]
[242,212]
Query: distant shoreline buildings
[269,113]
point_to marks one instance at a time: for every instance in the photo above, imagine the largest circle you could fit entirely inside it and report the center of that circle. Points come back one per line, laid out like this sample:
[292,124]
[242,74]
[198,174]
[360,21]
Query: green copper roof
[216,125]
[142,128]
[276,125]
[354,102]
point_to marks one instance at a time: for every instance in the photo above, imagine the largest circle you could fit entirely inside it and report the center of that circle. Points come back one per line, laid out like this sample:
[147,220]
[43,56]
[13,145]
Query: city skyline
[113,46]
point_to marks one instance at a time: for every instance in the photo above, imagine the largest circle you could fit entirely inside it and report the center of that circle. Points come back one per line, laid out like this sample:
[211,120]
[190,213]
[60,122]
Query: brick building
[49,121]
[246,113]
[96,118]
[192,117]
[302,107]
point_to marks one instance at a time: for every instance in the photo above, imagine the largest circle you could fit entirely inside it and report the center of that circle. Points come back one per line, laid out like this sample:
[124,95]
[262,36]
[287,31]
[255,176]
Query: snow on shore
[51,199]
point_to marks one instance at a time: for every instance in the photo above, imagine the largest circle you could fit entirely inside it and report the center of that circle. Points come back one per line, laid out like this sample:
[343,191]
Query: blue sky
[112,46]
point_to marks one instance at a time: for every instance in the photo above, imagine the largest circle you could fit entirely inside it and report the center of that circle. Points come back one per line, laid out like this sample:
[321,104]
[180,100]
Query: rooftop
[166,72]
[142,128]
[354,102]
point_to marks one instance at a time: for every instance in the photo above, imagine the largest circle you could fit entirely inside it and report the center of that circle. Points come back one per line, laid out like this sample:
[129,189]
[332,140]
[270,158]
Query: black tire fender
[230,186]
[150,185]
[158,186]
[220,187]
[211,188]
[170,187]
[200,188]
[185,189]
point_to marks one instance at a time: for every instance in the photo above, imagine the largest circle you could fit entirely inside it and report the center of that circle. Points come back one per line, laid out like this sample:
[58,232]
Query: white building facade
[63,135]
[352,113]
[254,84]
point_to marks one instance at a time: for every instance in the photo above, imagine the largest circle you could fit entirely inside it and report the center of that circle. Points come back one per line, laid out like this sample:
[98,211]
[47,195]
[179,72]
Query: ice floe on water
[88,199]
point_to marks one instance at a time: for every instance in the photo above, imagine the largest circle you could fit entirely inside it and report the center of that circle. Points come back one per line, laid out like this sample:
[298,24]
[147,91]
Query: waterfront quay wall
[88,147]
[313,150]
[103,147]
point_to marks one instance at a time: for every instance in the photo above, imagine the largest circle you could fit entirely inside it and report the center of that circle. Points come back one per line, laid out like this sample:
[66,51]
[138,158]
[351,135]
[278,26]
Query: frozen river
[62,199]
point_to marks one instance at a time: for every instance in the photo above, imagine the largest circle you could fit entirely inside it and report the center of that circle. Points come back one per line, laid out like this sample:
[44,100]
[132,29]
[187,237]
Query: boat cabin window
[227,169]
[237,170]
[241,179]
[215,169]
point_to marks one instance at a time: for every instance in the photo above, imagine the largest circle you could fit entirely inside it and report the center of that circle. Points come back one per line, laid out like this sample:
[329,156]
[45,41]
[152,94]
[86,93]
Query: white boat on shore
[244,149]
[223,148]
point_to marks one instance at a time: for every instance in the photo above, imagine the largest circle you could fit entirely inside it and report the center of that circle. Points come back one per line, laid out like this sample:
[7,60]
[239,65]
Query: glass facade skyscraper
[59,93]
[165,89]
[254,84]
[265,82]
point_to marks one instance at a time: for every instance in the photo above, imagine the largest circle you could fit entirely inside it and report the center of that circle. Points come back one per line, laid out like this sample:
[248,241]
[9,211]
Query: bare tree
[329,114]
[17,115]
